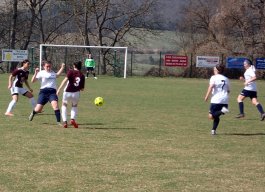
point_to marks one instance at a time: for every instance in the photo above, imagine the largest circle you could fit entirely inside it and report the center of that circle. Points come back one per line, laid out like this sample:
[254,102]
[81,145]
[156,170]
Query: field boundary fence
[142,63]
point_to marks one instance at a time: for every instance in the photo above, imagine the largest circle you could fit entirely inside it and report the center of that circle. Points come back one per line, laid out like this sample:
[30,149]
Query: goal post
[84,46]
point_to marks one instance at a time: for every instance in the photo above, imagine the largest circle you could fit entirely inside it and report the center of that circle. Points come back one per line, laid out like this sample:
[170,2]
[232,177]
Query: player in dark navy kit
[75,80]
[47,78]
[15,84]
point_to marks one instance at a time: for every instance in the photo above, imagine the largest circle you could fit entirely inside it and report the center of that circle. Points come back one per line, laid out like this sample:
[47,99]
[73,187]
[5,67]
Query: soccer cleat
[65,124]
[74,123]
[224,110]
[240,116]
[213,132]
[31,116]
[9,114]
[59,124]
[262,117]
[95,78]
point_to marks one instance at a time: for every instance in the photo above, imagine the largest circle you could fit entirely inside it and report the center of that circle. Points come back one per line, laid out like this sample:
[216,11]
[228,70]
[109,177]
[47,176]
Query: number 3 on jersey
[77,81]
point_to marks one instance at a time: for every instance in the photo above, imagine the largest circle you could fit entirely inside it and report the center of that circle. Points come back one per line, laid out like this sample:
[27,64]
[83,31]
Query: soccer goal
[109,60]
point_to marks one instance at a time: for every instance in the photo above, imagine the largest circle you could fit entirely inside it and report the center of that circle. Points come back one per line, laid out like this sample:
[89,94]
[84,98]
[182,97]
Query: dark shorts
[216,107]
[46,95]
[250,94]
[90,68]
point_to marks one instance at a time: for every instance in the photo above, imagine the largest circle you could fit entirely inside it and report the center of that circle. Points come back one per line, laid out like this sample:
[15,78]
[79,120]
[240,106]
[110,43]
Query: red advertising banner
[175,60]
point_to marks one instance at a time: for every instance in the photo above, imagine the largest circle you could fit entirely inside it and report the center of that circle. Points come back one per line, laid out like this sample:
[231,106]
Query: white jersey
[249,73]
[47,79]
[221,88]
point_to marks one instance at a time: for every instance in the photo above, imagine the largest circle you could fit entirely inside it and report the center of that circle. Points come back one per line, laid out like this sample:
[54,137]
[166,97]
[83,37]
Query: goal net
[109,60]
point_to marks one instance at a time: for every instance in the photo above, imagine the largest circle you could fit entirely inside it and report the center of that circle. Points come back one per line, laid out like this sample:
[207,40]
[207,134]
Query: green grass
[152,134]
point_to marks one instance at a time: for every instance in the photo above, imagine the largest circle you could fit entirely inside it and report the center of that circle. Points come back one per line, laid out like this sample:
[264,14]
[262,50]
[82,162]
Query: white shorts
[18,90]
[72,97]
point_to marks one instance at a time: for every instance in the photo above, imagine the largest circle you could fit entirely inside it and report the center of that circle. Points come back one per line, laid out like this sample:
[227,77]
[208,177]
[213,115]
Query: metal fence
[139,63]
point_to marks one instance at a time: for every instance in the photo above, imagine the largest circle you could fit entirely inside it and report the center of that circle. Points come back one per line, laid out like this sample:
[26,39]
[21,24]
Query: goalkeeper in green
[90,66]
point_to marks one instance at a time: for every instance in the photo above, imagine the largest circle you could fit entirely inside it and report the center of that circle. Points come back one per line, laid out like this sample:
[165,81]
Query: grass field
[152,134]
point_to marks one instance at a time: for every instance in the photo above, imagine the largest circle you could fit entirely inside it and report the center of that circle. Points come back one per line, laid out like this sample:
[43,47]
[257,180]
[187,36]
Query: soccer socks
[215,123]
[32,102]
[241,107]
[64,113]
[73,112]
[259,107]
[11,106]
[58,115]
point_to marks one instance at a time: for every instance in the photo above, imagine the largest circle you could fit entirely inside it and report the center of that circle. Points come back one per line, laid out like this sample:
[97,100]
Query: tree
[106,22]
[244,21]
[234,26]
[196,23]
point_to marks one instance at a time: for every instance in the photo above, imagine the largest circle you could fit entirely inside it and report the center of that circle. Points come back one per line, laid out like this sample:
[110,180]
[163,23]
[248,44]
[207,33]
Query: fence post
[65,59]
[99,63]
[32,60]
[160,63]
[131,63]
[115,63]
[191,56]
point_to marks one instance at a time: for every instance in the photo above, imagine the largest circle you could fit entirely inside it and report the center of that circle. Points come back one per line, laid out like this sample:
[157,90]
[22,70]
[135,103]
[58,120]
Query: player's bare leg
[31,99]
[37,109]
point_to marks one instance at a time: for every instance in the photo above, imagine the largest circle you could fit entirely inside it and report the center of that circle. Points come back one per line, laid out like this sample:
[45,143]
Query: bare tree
[106,22]
[196,23]
[13,30]
[233,25]
[51,19]
[5,23]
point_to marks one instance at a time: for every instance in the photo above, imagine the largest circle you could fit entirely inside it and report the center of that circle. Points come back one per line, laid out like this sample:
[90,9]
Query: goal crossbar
[84,46]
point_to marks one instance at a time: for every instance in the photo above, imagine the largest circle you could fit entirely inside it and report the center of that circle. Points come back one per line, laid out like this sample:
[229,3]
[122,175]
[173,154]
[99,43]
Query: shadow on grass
[106,128]
[248,119]
[90,126]
[244,134]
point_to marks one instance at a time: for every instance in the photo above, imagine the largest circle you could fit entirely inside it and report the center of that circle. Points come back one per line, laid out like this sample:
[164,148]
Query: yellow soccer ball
[99,101]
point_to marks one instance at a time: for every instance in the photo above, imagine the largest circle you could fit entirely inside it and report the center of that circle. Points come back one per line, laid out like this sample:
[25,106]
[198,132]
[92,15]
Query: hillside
[163,41]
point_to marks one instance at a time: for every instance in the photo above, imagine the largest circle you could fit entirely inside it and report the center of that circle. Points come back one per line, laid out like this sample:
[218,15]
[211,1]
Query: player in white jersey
[219,88]
[47,93]
[250,90]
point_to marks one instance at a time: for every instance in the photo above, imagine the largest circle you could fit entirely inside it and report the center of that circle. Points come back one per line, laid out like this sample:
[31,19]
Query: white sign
[207,61]
[14,55]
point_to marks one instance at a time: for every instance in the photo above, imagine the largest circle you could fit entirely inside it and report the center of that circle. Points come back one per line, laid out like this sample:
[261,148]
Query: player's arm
[61,70]
[27,84]
[62,85]
[250,80]
[34,78]
[210,88]
[10,81]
